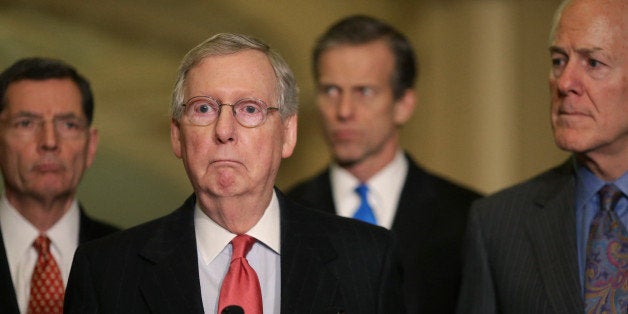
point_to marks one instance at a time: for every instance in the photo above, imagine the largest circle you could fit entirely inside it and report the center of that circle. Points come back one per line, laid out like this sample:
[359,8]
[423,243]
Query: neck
[237,214]
[366,168]
[603,166]
[42,213]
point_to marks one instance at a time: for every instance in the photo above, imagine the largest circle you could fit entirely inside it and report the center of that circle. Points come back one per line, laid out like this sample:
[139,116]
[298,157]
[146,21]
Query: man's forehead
[245,70]
[43,97]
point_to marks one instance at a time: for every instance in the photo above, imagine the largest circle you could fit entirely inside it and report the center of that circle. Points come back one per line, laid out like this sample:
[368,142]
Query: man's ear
[175,137]
[404,107]
[92,146]
[289,136]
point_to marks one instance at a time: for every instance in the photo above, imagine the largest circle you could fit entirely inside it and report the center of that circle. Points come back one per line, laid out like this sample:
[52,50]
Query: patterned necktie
[606,273]
[364,212]
[241,286]
[46,284]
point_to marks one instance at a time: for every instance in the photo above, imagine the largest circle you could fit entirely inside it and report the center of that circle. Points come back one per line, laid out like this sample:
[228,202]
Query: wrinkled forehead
[247,71]
[610,14]
[599,24]
[43,97]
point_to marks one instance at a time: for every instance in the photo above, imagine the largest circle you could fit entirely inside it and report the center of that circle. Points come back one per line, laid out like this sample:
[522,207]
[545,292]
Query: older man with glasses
[237,244]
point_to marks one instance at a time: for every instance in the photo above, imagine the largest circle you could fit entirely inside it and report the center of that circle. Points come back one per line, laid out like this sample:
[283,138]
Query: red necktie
[241,286]
[46,284]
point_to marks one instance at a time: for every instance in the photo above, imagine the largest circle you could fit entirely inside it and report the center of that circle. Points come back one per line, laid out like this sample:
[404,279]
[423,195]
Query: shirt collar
[588,184]
[345,182]
[64,235]
[384,189]
[390,179]
[212,238]
[19,233]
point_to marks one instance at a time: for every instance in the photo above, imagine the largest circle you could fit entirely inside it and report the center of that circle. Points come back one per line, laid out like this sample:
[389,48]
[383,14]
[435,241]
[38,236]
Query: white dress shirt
[19,234]
[214,256]
[384,190]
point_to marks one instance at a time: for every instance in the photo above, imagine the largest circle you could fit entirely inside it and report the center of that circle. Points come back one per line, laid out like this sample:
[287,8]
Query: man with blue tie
[365,71]
[557,243]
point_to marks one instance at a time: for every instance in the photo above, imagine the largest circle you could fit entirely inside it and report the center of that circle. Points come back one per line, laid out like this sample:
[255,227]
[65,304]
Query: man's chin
[347,162]
[572,144]
[51,193]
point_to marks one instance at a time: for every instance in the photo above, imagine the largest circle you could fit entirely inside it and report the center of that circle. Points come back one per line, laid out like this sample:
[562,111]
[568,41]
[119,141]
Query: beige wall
[482,117]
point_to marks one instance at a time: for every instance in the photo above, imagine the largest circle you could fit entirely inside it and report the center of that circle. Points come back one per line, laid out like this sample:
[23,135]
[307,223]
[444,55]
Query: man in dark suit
[533,248]
[46,143]
[234,117]
[365,72]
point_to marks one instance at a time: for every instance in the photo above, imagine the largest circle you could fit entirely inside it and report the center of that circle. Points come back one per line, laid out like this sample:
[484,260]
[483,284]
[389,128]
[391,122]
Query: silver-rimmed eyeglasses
[204,110]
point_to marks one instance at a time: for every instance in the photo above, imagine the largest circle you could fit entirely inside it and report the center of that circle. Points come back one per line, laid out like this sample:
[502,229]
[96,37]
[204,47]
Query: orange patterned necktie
[241,286]
[46,284]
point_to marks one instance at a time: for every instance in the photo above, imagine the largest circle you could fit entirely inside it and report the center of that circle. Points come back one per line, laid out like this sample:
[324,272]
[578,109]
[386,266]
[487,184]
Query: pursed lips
[344,134]
[569,110]
[225,161]
[567,114]
[48,166]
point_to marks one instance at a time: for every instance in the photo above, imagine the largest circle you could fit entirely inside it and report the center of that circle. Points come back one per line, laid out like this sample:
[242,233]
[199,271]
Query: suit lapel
[408,219]
[90,229]
[323,197]
[307,283]
[8,299]
[552,229]
[171,279]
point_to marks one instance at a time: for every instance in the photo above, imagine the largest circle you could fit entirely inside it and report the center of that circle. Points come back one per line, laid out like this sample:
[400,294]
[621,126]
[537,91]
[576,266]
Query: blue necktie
[364,212]
[606,280]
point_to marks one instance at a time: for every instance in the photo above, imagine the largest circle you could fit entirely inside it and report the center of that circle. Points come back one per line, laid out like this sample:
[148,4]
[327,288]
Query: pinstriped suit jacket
[89,229]
[521,254]
[328,265]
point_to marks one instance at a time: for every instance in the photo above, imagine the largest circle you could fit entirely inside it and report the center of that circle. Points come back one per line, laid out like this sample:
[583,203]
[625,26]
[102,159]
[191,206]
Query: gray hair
[224,44]
[557,16]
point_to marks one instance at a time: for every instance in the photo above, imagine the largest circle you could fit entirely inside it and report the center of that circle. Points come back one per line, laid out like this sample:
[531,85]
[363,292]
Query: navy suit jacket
[328,265]
[89,229]
[521,249]
[429,226]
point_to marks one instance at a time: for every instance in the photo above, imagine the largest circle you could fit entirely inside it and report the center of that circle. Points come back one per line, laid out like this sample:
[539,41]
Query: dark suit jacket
[89,229]
[521,249]
[328,265]
[429,226]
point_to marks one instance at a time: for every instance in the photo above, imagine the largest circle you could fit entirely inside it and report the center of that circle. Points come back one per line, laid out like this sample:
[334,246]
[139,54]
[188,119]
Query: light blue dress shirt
[214,256]
[587,206]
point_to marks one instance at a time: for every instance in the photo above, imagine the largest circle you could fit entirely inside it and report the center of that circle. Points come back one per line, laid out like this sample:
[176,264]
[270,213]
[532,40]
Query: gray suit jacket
[328,265]
[521,254]
[89,229]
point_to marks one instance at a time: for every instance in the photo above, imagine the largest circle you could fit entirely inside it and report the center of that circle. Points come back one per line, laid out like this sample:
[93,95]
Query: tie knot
[609,196]
[42,244]
[241,244]
[362,190]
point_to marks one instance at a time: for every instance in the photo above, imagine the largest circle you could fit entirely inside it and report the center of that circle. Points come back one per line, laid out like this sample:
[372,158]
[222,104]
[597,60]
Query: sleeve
[390,291]
[80,295]
[477,292]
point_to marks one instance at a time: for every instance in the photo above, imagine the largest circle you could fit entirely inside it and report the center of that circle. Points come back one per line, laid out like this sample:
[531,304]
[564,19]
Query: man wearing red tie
[46,143]
[237,244]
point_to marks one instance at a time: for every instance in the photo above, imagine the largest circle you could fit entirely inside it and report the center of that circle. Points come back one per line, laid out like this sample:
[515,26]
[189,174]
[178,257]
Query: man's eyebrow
[29,114]
[68,115]
[556,49]
[582,51]
[25,114]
